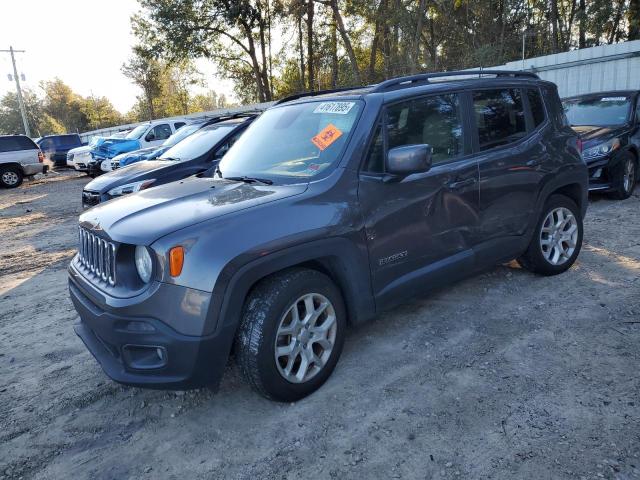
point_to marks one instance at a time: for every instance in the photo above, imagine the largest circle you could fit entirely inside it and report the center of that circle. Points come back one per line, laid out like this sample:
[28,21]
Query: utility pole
[23,112]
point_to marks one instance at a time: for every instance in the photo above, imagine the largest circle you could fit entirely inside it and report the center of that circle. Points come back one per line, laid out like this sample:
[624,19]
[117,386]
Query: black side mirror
[403,161]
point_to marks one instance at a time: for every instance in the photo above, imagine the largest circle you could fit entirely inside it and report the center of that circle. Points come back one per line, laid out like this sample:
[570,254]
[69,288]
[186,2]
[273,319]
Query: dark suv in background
[329,209]
[609,126]
[56,147]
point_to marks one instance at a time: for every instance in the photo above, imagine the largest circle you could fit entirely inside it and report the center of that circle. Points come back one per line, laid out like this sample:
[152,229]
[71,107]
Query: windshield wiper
[173,159]
[246,179]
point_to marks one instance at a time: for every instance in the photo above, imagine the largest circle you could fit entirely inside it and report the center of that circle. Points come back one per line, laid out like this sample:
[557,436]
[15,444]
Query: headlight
[131,187]
[602,149]
[143,263]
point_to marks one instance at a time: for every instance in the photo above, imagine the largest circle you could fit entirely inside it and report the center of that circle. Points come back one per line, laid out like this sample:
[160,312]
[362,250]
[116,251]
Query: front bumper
[143,351]
[600,175]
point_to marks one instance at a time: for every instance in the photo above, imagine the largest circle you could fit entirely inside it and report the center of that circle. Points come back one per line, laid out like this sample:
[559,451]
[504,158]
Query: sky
[83,42]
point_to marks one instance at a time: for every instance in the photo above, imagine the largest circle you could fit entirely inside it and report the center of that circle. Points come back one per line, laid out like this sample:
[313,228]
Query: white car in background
[79,157]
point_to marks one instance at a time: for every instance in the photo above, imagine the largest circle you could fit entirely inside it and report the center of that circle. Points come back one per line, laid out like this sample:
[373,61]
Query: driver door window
[433,120]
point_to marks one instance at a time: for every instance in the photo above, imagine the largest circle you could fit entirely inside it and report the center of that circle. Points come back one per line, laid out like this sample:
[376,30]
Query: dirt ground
[505,375]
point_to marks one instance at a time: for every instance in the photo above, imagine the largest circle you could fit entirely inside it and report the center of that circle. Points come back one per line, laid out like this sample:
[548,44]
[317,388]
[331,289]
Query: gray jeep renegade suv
[330,208]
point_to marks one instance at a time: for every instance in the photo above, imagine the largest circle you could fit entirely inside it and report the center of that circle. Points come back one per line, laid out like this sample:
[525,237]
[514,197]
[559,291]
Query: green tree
[99,112]
[64,105]
[145,71]
[233,33]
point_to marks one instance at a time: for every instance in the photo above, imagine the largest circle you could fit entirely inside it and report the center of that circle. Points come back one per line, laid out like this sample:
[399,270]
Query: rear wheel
[557,240]
[625,177]
[291,334]
[10,177]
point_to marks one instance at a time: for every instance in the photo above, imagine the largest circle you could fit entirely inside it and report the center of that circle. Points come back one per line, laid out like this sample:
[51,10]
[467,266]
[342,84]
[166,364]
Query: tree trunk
[256,69]
[347,42]
[554,25]
[265,62]
[303,83]
[613,36]
[310,55]
[582,25]
[373,55]
[633,18]
[334,54]
[415,48]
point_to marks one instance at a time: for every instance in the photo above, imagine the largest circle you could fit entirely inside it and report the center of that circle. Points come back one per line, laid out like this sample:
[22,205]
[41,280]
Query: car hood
[128,174]
[83,149]
[110,147]
[143,217]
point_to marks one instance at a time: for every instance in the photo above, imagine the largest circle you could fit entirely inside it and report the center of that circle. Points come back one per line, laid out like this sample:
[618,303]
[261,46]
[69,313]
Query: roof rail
[230,116]
[313,94]
[425,77]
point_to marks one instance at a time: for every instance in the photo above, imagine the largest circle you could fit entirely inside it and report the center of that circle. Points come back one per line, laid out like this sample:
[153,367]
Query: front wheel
[557,239]
[624,177]
[291,334]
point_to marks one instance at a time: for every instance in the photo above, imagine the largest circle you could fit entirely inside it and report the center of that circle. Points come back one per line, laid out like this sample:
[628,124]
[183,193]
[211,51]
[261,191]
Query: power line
[23,111]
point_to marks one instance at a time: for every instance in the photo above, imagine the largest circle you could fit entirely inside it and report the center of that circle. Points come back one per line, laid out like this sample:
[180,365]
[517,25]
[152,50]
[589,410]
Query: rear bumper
[143,351]
[33,169]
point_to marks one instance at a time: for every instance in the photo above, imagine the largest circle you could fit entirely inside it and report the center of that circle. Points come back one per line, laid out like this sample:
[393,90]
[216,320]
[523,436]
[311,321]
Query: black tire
[534,258]
[265,306]
[11,177]
[621,191]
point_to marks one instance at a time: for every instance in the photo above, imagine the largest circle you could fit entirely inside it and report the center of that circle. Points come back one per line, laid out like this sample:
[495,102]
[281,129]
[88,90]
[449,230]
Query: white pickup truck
[19,157]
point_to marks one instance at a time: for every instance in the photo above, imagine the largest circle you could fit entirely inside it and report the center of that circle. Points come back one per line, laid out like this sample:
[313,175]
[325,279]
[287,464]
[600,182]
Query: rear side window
[499,117]
[12,144]
[433,120]
[537,107]
[177,125]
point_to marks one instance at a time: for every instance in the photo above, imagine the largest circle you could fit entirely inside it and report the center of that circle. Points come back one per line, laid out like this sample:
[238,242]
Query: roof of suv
[425,79]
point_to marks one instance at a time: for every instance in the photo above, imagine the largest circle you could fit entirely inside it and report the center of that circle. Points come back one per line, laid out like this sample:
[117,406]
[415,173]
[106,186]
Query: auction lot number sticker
[340,108]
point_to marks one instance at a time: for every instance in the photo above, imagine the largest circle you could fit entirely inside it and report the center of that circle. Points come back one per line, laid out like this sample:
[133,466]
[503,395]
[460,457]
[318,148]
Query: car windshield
[598,111]
[137,132]
[181,133]
[198,143]
[293,141]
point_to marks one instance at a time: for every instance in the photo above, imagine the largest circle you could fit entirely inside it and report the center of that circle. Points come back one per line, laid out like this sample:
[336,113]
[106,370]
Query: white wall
[607,67]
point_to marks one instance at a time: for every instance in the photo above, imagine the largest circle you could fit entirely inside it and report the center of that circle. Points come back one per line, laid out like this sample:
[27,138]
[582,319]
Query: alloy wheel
[10,178]
[628,176]
[559,236]
[305,338]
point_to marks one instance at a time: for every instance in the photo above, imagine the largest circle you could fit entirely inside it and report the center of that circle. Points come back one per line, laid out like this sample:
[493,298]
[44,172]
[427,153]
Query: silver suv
[19,157]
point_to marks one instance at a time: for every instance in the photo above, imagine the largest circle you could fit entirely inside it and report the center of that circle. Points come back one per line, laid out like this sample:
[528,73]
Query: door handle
[461,184]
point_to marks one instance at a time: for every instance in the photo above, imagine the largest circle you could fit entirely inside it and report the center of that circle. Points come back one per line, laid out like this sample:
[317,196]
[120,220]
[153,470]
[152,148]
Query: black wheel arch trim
[345,262]
[576,176]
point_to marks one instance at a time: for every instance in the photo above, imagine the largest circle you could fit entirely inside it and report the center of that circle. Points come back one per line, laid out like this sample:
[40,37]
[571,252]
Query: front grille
[115,164]
[98,256]
[90,198]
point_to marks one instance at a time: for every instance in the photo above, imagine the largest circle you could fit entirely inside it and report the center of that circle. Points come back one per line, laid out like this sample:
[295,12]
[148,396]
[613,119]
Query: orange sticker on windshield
[326,137]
